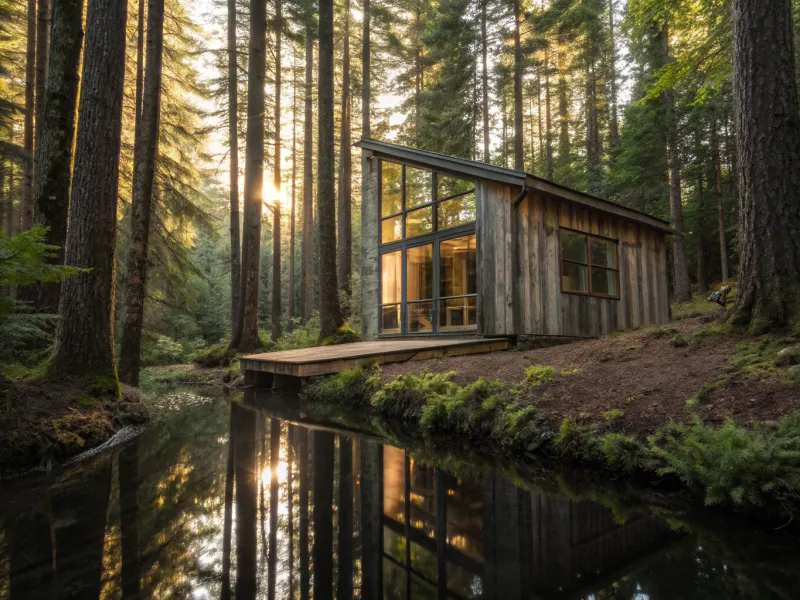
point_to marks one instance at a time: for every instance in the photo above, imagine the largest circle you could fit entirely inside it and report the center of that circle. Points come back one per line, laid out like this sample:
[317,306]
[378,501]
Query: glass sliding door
[458,284]
[391,291]
[419,289]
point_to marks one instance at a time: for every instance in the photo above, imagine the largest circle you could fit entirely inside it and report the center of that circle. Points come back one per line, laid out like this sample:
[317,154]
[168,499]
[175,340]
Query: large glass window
[458,283]
[427,287]
[417,202]
[589,265]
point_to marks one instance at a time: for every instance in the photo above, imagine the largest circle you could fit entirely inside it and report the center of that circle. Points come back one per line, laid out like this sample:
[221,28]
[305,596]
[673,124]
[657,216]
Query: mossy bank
[753,468]
[44,423]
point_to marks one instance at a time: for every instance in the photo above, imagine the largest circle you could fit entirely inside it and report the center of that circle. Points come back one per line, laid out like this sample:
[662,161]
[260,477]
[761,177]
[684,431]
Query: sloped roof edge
[481,170]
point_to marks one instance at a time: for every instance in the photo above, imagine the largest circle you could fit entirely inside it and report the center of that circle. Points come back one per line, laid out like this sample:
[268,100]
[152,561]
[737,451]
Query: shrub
[343,335]
[729,462]
[165,351]
[353,386]
[405,394]
[538,374]
[301,336]
[622,451]
[214,356]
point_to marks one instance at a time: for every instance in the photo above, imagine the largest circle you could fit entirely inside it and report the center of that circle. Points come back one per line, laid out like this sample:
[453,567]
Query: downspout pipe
[515,262]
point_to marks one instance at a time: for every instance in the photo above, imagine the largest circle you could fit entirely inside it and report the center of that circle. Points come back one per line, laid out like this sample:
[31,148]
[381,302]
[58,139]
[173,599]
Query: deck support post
[258,378]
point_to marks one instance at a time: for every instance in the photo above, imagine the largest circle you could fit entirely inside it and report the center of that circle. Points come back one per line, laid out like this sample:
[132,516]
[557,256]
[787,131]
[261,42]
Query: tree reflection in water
[181,518]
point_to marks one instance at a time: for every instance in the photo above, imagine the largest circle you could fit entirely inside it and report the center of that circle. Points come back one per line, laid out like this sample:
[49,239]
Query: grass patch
[539,374]
[699,305]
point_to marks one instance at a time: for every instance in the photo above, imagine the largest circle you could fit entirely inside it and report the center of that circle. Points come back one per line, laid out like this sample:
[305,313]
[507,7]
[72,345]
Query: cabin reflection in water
[445,537]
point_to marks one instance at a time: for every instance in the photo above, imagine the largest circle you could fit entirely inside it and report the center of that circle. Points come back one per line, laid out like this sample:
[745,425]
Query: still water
[239,500]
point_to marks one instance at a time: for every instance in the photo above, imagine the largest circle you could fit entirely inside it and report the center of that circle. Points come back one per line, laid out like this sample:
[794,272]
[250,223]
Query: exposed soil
[42,424]
[639,373]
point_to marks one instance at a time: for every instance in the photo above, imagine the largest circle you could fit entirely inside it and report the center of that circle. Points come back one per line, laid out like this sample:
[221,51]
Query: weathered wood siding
[519,275]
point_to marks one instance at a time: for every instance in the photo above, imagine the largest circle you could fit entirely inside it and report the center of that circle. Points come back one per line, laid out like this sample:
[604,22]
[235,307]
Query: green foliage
[538,374]
[215,356]
[343,335]
[24,260]
[301,336]
[613,414]
[353,386]
[166,351]
[405,395]
[622,452]
[679,341]
[745,466]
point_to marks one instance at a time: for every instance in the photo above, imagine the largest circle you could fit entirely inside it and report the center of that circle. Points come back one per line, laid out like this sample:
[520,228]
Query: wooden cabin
[455,246]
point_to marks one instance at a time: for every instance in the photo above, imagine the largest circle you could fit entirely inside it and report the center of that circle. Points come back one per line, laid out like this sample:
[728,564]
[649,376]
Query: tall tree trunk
[54,145]
[533,134]
[417,73]
[5,200]
[302,540]
[564,149]
[27,131]
[293,211]
[613,125]
[485,81]
[84,343]
[276,181]
[519,134]
[322,553]
[548,116]
[344,238]
[592,130]
[680,263]
[723,243]
[144,168]
[227,519]
[702,226]
[43,13]
[246,482]
[344,546]
[330,313]
[365,70]
[245,337]
[233,148]
[140,32]
[767,129]
[307,260]
[274,461]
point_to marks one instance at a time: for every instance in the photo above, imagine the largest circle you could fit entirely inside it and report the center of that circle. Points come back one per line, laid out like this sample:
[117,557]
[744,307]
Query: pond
[300,510]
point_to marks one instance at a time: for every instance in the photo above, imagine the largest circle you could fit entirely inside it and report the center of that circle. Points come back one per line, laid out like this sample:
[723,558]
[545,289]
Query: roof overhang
[471,169]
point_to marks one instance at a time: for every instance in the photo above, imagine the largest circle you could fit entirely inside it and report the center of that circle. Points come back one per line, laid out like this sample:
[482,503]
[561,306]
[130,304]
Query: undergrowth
[733,465]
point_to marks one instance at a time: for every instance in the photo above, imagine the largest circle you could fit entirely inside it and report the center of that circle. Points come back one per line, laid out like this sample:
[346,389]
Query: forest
[175,176]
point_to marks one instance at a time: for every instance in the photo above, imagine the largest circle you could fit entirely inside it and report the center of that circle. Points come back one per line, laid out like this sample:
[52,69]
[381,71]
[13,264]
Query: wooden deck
[326,360]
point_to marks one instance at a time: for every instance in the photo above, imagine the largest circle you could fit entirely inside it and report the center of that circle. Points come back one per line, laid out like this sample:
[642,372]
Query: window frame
[588,264]
[433,204]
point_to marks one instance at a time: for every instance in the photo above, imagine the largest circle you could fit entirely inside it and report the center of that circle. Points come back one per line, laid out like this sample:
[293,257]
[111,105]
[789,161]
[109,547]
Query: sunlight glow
[271,195]
[282,470]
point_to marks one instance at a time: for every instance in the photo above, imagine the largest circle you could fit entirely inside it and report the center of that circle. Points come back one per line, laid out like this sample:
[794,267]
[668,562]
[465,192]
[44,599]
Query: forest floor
[639,380]
[45,423]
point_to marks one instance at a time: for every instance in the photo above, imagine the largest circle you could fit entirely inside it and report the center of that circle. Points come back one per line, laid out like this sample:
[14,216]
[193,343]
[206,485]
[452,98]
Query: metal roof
[479,170]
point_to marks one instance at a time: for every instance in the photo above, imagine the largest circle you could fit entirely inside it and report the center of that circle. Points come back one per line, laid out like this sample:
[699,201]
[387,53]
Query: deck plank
[326,360]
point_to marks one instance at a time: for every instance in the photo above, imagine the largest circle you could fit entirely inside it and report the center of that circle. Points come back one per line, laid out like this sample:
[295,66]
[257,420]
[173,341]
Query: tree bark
[767,129]
[365,70]
[548,117]
[43,13]
[144,167]
[344,546]
[27,131]
[246,485]
[293,212]
[330,313]
[564,149]
[680,263]
[307,261]
[233,148]
[5,201]
[84,343]
[344,238]
[519,133]
[140,32]
[227,519]
[485,81]
[245,337]
[322,553]
[592,130]
[613,125]
[723,243]
[10,216]
[276,181]
[54,146]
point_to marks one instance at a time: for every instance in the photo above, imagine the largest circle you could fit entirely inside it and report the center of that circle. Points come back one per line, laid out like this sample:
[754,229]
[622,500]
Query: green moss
[215,356]
[613,414]
[100,386]
[343,335]
[539,374]
[679,341]
[569,372]
[355,386]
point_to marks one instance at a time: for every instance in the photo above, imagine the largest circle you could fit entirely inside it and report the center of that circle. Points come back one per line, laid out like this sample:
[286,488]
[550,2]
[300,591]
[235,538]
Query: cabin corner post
[370,240]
